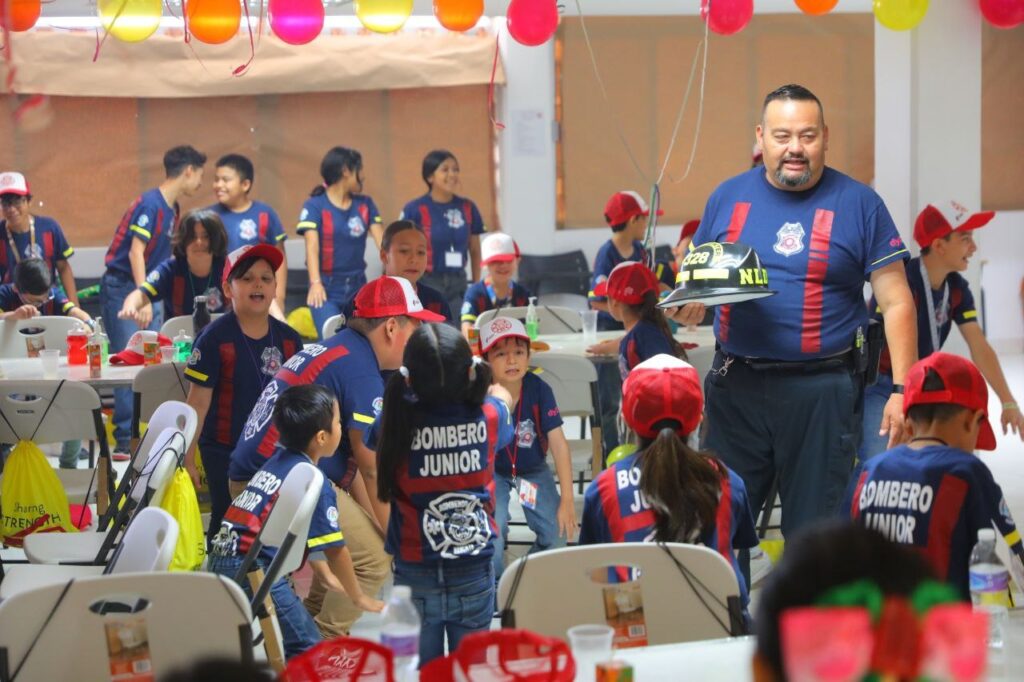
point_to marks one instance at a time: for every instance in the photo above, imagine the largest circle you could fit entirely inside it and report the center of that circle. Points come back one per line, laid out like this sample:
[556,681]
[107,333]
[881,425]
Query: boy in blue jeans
[307,418]
[520,466]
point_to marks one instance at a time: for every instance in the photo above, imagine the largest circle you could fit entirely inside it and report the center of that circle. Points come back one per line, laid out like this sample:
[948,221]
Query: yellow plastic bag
[203,491]
[301,320]
[180,502]
[32,499]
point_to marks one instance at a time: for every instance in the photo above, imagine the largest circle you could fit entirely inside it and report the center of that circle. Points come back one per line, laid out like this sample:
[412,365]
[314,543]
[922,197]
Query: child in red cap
[944,233]
[932,492]
[667,491]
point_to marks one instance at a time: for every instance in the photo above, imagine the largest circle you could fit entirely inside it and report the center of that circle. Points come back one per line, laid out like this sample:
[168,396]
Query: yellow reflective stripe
[1012,538]
[362,418]
[469,318]
[149,288]
[139,230]
[197,375]
[281,237]
[537,370]
[68,252]
[683,276]
[378,219]
[67,306]
[890,256]
[710,273]
[325,540]
[306,224]
[970,314]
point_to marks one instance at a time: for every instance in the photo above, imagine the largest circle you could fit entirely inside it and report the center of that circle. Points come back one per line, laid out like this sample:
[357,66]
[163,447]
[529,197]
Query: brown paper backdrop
[645,63]
[1002,119]
[99,153]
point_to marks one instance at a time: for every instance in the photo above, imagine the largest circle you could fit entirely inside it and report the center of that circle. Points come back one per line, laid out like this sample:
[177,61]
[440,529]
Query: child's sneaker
[121,453]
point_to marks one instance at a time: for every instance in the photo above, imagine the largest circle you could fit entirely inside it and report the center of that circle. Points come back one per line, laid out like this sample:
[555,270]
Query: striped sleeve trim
[189,372]
[1012,538]
[306,225]
[281,237]
[469,317]
[138,230]
[890,256]
[970,314]
[148,288]
[68,252]
[362,418]
[328,539]
[67,307]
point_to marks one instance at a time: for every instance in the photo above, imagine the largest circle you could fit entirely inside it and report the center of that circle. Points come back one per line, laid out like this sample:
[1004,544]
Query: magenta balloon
[1003,13]
[726,17]
[532,22]
[296,22]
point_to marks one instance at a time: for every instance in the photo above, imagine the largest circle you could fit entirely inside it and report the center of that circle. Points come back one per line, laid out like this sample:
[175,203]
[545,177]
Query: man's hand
[892,421]
[1013,421]
[689,315]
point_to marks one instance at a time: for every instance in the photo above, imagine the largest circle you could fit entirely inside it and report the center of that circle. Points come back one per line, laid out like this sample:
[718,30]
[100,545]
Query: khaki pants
[333,611]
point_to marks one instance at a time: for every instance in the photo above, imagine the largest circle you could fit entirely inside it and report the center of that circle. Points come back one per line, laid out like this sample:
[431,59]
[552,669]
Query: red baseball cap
[935,222]
[627,282]
[13,183]
[624,205]
[964,386]
[501,328]
[133,351]
[660,388]
[267,252]
[689,229]
[389,297]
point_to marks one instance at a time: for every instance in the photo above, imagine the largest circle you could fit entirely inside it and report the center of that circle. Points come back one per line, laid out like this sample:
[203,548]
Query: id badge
[527,494]
[452,259]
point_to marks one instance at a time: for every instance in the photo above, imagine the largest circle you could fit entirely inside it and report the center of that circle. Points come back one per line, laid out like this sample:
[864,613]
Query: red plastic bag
[341,659]
[504,654]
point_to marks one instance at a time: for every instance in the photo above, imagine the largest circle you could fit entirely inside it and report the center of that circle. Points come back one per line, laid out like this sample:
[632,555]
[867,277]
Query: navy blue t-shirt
[149,218]
[174,284]
[48,243]
[258,224]
[640,343]
[480,297]
[447,227]
[533,418]
[342,232]
[607,258]
[819,246]
[58,305]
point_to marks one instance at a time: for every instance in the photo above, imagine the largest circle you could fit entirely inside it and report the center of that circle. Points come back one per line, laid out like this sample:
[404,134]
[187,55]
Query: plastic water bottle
[401,632]
[990,585]
[532,324]
[182,346]
[104,341]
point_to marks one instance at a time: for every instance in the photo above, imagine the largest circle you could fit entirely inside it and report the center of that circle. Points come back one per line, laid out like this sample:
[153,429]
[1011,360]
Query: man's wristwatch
[897,388]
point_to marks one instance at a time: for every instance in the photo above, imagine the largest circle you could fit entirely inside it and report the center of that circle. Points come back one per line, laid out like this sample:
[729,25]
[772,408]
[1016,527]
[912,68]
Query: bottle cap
[401,592]
[986,535]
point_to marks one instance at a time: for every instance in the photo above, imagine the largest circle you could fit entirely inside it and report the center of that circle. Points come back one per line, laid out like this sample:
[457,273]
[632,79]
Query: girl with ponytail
[436,437]
[667,491]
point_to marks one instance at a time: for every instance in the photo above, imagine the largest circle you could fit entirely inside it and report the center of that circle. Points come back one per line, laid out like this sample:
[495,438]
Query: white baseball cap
[501,328]
[498,247]
[13,183]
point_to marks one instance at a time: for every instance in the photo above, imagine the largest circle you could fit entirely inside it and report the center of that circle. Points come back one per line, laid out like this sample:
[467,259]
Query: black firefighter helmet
[717,273]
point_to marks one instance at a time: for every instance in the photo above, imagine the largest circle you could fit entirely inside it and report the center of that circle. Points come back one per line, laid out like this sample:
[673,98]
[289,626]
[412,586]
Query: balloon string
[700,111]
[241,70]
[498,125]
[107,29]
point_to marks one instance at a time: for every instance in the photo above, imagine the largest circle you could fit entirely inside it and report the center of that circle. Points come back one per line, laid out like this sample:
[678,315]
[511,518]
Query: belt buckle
[724,369]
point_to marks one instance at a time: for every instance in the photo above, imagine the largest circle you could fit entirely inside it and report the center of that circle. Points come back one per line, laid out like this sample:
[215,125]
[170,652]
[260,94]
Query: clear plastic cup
[168,353]
[589,318]
[590,644]
[51,361]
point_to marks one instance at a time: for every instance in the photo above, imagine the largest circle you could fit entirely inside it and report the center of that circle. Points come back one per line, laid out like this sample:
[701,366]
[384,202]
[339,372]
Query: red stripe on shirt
[226,393]
[425,220]
[326,242]
[855,504]
[491,415]
[177,296]
[949,500]
[410,533]
[151,244]
[723,519]
[740,210]
[48,249]
[467,211]
[264,225]
[121,232]
[814,294]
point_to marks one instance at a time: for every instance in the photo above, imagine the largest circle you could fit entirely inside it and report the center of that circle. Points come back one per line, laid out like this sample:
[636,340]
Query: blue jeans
[609,390]
[453,597]
[215,463]
[114,289]
[340,289]
[298,630]
[875,398]
[542,520]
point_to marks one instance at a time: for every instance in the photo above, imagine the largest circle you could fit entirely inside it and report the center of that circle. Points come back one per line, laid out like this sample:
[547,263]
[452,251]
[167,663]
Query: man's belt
[843,360]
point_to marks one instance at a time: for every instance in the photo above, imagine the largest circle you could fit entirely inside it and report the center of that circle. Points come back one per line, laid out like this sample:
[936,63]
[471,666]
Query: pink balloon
[296,22]
[726,17]
[532,22]
[1003,13]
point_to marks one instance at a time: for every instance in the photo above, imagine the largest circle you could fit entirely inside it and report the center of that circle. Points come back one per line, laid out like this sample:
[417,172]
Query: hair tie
[404,371]
[472,368]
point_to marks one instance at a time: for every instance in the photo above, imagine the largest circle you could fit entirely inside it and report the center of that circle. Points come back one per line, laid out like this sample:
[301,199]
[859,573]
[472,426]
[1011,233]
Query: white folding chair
[152,387]
[332,325]
[61,632]
[148,545]
[551,319]
[182,323]
[573,380]
[55,332]
[576,302]
[94,548]
[687,592]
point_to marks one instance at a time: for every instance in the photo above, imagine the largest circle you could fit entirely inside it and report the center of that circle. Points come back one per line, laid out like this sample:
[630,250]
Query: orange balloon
[213,21]
[458,15]
[816,6]
[19,15]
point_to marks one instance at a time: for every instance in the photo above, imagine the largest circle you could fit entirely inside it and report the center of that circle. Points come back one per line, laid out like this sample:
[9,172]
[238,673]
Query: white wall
[1000,257]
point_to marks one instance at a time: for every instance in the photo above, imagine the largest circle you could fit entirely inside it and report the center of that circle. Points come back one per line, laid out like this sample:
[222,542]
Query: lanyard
[933,324]
[31,240]
[192,283]
[491,294]
[514,450]
[263,378]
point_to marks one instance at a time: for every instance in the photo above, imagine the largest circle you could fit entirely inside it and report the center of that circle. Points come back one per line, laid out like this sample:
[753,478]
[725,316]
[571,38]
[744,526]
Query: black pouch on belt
[873,342]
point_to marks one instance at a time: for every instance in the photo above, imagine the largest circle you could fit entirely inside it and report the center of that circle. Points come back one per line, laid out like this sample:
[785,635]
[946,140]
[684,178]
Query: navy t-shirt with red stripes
[447,226]
[258,224]
[248,512]
[173,283]
[607,258]
[342,232]
[57,305]
[614,510]
[49,243]
[640,343]
[819,247]
[481,297]
[237,368]
[935,498]
[346,364]
[149,218]
[534,416]
[444,506]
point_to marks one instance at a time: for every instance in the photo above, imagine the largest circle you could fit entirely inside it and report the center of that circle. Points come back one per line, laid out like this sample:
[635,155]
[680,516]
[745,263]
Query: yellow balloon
[130,20]
[900,15]
[383,16]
